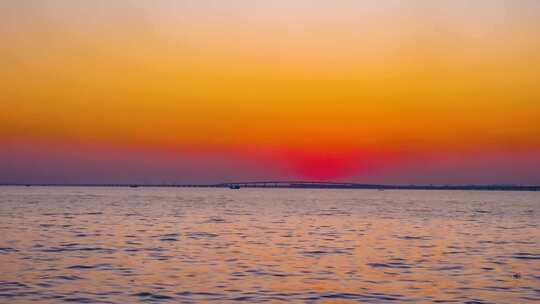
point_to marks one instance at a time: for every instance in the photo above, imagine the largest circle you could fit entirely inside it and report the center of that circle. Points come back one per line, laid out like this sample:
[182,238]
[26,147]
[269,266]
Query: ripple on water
[260,272]
[5,250]
[8,286]
[526,256]
[450,268]
[94,213]
[398,265]
[215,220]
[201,235]
[368,297]
[102,266]
[68,277]
[170,237]
[149,296]
[13,290]
[77,247]
[201,296]
[476,301]
[80,300]
[414,237]
[326,251]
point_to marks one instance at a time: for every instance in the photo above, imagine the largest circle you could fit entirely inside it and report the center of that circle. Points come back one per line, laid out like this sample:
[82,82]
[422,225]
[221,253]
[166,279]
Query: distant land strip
[302,185]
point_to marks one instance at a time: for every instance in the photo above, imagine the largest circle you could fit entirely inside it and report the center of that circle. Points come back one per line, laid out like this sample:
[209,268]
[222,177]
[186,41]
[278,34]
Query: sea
[202,245]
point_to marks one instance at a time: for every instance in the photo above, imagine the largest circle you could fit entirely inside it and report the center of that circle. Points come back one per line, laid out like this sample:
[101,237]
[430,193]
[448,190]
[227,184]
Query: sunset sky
[196,91]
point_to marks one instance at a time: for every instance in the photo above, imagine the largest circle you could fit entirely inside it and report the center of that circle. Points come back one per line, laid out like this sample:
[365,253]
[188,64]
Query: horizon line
[297,185]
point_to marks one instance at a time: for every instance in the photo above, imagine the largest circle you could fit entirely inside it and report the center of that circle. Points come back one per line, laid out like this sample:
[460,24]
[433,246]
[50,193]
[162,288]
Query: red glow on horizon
[326,165]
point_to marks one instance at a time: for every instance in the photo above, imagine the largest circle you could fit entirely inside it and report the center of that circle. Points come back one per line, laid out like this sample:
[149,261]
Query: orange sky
[323,89]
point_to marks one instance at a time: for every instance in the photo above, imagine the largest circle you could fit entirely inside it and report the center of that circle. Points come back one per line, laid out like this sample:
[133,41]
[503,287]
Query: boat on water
[234,187]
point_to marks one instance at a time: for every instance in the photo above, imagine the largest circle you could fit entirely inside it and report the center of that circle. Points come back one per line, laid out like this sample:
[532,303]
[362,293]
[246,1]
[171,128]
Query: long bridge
[297,184]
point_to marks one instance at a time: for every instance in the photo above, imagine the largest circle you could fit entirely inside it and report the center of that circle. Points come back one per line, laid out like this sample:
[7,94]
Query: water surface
[188,245]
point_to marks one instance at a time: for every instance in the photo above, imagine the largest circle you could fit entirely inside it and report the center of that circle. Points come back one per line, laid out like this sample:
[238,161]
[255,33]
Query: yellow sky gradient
[310,76]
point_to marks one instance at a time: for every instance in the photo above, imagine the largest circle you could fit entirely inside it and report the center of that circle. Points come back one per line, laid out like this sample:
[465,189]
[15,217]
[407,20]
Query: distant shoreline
[300,185]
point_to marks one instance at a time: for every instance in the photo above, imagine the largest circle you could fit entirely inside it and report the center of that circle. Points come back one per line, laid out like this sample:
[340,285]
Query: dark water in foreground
[121,245]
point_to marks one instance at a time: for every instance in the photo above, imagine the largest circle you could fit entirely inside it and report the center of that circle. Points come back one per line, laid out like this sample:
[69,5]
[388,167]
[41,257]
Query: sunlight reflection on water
[119,245]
